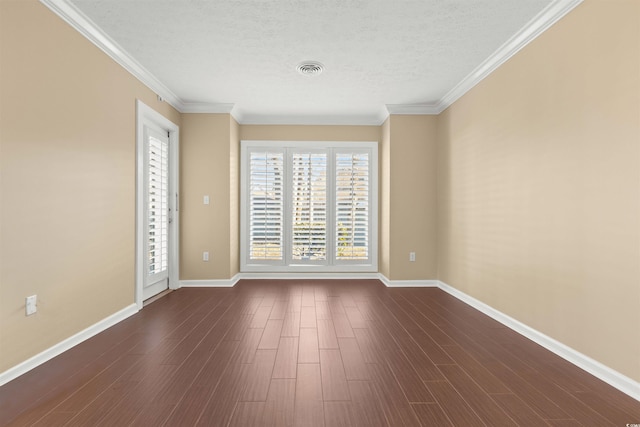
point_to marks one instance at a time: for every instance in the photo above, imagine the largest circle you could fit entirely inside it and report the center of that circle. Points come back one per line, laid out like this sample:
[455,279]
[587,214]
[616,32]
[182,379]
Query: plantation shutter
[266,206]
[309,206]
[352,206]
[158,205]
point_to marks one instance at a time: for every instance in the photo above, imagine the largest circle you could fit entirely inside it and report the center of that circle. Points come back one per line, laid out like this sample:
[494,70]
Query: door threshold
[156,297]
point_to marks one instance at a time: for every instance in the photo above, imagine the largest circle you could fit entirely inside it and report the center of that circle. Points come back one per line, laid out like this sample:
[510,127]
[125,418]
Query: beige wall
[209,158]
[384,202]
[539,185]
[234,198]
[67,180]
[206,157]
[407,218]
[411,196]
[407,160]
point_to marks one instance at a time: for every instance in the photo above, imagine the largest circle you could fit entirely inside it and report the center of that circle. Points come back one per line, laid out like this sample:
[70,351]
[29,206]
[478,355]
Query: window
[309,206]
[352,205]
[266,206]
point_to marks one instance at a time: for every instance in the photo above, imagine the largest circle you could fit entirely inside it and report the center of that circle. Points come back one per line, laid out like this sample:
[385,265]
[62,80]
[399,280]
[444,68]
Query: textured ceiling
[245,52]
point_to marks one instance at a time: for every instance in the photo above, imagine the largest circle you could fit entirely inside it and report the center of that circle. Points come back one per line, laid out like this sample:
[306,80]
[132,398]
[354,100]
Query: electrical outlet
[205,256]
[205,200]
[412,256]
[30,305]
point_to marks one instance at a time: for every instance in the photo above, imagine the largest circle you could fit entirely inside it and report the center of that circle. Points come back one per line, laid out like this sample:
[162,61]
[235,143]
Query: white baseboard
[309,276]
[408,283]
[66,344]
[595,368]
[229,283]
[223,283]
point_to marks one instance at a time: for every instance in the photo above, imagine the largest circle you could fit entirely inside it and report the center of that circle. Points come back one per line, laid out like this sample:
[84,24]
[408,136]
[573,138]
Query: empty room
[320,213]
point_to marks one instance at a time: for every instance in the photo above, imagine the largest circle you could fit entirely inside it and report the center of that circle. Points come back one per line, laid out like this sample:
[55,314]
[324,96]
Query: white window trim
[344,266]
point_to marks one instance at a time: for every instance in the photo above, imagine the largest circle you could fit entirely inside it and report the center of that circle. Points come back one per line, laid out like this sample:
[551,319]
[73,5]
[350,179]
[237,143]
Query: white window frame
[287,264]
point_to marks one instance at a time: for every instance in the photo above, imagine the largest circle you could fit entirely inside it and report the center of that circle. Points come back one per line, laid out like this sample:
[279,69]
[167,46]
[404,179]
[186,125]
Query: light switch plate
[30,306]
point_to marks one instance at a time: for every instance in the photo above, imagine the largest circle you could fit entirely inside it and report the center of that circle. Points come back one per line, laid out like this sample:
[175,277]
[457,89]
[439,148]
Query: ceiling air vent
[310,68]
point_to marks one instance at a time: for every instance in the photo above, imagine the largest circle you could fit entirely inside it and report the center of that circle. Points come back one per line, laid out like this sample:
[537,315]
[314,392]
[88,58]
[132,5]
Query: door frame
[145,115]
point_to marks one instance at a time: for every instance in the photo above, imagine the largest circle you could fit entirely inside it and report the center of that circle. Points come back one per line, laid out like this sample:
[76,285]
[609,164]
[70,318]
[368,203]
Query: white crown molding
[595,368]
[374,119]
[66,344]
[383,114]
[204,107]
[413,109]
[85,26]
[538,25]
[246,118]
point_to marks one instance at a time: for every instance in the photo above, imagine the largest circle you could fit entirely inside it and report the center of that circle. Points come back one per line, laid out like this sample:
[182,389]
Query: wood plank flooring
[311,353]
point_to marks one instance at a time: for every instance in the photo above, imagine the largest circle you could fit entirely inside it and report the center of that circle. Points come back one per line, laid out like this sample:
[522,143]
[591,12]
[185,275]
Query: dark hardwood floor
[307,353]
